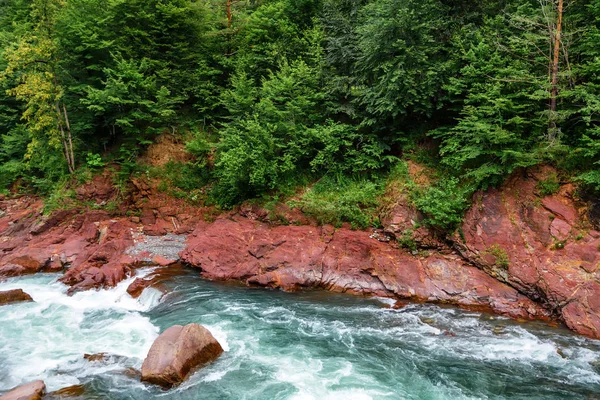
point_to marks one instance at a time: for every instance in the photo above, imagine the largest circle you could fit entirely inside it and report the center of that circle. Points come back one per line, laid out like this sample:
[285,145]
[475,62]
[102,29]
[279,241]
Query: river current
[308,345]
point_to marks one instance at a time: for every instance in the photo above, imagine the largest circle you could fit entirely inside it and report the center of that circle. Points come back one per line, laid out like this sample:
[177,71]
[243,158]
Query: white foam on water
[274,346]
[386,300]
[220,334]
[47,339]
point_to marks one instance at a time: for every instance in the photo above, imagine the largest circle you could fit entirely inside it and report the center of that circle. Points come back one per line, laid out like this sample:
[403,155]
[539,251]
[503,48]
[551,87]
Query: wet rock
[9,270]
[22,265]
[296,257]
[132,373]
[155,279]
[530,244]
[14,296]
[104,358]
[29,391]
[177,352]
[399,304]
[498,330]
[95,357]
[66,393]
[136,288]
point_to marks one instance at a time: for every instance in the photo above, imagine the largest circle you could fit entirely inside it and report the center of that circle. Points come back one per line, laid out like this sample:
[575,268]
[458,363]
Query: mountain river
[308,345]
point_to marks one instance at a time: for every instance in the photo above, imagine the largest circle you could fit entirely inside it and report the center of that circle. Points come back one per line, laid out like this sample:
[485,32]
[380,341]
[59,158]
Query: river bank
[518,253]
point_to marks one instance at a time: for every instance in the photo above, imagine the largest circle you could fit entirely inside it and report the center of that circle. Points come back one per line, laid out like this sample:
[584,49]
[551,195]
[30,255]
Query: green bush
[94,160]
[338,199]
[443,204]
[548,186]
[182,180]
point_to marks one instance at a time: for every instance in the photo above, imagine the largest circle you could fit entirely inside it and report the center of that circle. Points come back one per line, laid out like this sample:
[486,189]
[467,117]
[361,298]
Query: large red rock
[294,257]
[14,296]
[177,352]
[542,246]
[30,391]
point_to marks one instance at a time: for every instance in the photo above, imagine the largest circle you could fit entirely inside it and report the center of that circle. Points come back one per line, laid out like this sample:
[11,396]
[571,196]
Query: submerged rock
[178,351]
[29,391]
[75,391]
[105,358]
[14,296]
[155,279]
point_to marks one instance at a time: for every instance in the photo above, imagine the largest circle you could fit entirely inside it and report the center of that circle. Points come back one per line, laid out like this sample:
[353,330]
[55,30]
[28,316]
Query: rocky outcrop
[400,219]
[30,391]
[519,252]
[294,257]
[14,296]
[93,246]
[99,190]
[90,243]
[541,245]
[177,352]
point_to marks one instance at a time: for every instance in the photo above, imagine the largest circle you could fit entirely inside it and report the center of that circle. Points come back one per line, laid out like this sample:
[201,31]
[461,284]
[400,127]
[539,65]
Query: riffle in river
[307,345]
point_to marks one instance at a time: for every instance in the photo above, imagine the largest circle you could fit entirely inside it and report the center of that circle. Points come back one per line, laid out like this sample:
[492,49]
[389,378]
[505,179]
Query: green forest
[274,96]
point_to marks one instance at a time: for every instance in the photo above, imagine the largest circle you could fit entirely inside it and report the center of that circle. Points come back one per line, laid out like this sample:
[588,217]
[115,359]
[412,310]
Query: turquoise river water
[310,345]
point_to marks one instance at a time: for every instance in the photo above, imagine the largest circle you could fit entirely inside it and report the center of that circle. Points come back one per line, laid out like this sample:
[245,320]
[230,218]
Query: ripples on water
[310,345]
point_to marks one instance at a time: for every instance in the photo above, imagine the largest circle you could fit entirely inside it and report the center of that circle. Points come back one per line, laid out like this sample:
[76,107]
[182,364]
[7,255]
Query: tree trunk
[69,137]
[229,17]
[64,139]
[552,131]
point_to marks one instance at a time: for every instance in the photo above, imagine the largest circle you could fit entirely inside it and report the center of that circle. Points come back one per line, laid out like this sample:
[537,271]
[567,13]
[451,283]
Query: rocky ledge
[295,257]
[544,246]
[519,252]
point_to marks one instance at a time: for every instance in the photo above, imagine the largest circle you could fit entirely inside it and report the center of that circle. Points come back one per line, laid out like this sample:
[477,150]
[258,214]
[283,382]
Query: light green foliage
[443,203]
[500,255]
[407,241]
[548,186]
[94,160]
[59,196]
[181,180]
[338,199]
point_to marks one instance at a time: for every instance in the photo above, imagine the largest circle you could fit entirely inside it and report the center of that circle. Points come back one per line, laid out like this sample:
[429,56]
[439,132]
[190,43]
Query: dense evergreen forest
[274,95]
